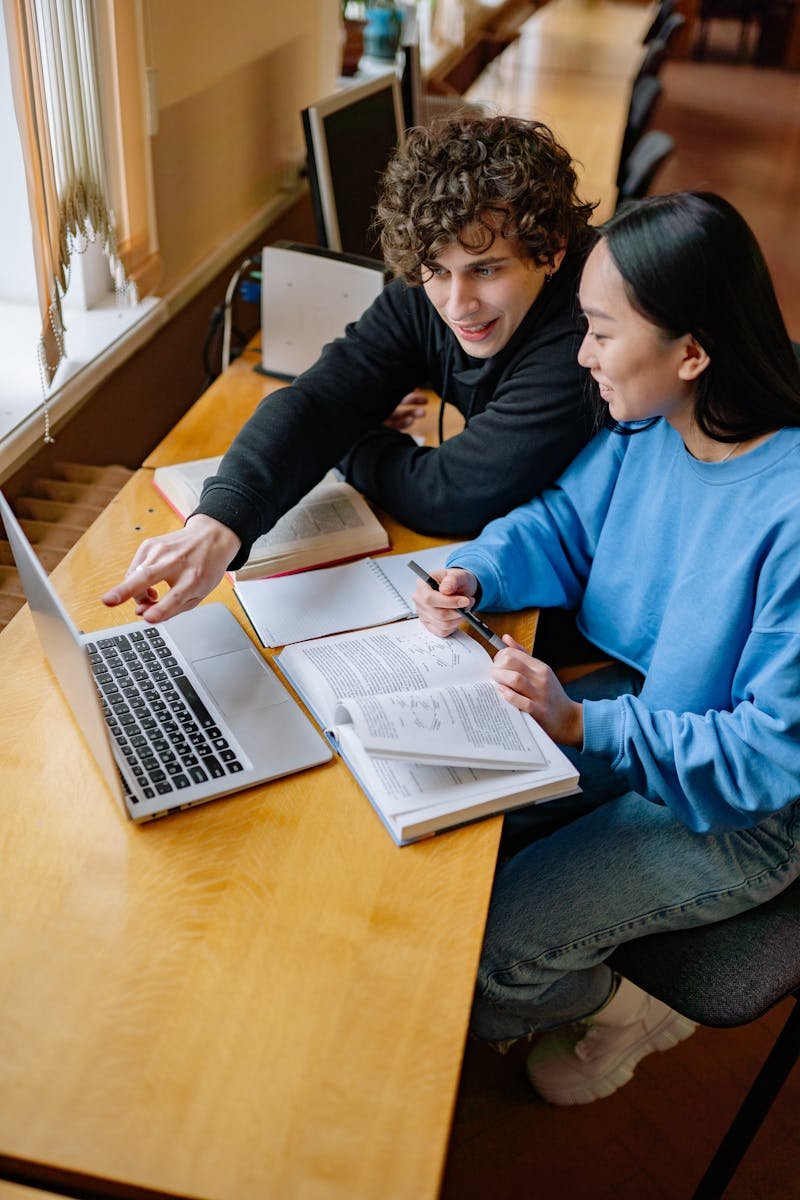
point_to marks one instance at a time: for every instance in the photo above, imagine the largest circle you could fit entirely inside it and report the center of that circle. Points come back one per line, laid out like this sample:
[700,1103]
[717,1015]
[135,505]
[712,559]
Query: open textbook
[295,608]
[426,734]
[331,523]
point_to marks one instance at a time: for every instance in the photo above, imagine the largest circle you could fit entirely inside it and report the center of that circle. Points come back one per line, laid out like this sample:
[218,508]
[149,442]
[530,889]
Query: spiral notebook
[357,595]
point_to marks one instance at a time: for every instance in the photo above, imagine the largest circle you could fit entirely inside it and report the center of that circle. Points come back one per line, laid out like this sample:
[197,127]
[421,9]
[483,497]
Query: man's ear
[558,258]
[695,360]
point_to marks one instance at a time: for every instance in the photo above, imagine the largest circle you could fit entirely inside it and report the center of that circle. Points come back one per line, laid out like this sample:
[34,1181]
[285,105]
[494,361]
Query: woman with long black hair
[676,536]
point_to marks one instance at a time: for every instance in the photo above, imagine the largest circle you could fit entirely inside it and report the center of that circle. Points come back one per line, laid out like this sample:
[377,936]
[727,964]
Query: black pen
[491,637]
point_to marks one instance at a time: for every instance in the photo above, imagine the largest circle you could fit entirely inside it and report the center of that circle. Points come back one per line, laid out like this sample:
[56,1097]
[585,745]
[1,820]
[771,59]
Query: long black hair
[691,264]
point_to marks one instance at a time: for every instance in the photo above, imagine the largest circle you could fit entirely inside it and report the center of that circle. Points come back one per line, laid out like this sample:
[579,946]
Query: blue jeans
[601,869]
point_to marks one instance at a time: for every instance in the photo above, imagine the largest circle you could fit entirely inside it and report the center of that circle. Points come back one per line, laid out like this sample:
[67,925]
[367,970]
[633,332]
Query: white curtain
[68,42]
[77,77]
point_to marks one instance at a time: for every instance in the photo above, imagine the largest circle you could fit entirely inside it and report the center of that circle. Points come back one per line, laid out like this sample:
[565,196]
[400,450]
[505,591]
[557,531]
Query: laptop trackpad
[240,681]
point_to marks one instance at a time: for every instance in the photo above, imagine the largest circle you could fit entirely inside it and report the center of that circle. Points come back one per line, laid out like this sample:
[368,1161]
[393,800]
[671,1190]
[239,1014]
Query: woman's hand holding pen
[192,561]
[526,682]
[531,686]
[442,612]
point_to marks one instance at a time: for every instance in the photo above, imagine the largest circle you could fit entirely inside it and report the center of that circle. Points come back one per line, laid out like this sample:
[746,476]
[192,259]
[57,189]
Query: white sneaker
[580,1063]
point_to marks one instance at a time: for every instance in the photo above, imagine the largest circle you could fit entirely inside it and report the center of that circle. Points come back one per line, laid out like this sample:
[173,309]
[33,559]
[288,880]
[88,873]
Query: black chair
[657,48]
[666,9]
[640,167]
[645,95]
[725,975]
[654,55]
[672,24]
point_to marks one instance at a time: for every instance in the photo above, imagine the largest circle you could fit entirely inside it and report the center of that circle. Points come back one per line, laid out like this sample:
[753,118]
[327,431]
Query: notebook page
[312,604]
[395,567]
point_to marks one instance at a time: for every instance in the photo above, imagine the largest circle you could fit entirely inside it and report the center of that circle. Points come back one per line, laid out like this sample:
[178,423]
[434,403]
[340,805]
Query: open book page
[296,608]
[420,797]
[181,484]
[332,521]
[331,511]
[403,657]
[464,725]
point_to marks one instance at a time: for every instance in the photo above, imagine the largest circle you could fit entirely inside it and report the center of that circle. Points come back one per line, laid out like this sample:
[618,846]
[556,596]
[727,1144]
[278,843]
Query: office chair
[654,55]
[725,975]
[666,8]
[657,48]
[672,24]
[640,167]
[645,95]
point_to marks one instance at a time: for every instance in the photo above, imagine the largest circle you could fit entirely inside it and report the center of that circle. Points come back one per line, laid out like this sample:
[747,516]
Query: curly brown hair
[492,174]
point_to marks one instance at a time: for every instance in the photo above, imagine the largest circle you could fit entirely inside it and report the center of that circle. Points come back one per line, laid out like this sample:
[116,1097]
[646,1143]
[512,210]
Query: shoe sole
[672,1030]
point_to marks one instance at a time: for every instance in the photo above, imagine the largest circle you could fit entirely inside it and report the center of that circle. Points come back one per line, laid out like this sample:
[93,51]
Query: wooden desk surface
[588,119]
[537,50]
[604,22]
[572,67]
[211,424]
[259,997]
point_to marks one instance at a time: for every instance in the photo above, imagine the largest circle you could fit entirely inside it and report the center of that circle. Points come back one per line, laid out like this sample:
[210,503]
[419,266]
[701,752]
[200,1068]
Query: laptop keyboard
[167,735]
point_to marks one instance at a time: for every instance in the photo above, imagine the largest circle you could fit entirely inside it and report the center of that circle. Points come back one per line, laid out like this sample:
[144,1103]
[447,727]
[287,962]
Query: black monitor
[410,67]
[411,85]
[350,137]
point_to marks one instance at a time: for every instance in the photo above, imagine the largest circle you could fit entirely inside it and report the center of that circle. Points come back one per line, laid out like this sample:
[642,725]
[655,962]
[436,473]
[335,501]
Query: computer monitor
[350,137]
[410,67]
[411,85]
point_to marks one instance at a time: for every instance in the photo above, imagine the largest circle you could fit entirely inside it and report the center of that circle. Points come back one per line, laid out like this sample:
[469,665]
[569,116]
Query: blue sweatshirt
[690,572]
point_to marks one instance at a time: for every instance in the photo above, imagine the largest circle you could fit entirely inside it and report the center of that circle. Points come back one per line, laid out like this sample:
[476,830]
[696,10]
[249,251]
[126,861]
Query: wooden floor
[737,129]
[738,132]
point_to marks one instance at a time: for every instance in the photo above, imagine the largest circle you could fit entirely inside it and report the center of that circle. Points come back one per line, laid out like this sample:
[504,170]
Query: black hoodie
[524,410]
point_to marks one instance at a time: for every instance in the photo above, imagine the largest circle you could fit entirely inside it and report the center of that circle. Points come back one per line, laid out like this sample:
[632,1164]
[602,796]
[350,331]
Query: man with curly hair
[482,226]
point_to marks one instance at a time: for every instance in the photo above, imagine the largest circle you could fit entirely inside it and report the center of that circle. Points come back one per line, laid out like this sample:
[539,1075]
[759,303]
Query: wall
[231,80]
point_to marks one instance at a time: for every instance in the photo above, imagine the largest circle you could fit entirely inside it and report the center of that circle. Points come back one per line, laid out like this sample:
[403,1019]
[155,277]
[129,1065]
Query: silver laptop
[176,713]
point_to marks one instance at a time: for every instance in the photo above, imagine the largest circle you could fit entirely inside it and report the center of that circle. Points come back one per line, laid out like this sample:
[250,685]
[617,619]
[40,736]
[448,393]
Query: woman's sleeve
[718,770]
[541,553]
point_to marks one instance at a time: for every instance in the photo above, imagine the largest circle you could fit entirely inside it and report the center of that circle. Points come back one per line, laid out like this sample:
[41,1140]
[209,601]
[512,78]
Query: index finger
[136,585]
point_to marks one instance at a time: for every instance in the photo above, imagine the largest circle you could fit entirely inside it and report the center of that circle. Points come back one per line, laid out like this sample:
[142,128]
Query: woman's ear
[694,361]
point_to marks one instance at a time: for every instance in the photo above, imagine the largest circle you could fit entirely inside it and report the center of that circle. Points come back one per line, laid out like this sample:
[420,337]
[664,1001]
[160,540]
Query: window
[75,69]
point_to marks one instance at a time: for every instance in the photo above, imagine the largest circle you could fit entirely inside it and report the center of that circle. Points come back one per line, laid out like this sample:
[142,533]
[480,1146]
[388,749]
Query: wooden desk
[588,118]
[536,51]
[572,67]
[604,22]
[261,997]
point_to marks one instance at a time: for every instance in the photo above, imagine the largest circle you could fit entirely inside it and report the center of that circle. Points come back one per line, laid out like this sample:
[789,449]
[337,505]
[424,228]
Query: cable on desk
[221,322]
